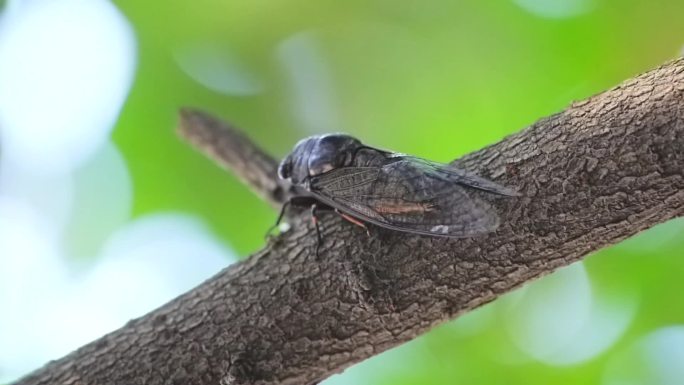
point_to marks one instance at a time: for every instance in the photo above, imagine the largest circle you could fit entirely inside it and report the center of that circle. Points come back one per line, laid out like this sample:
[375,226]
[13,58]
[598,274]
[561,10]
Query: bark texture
[593,175]
[234,151]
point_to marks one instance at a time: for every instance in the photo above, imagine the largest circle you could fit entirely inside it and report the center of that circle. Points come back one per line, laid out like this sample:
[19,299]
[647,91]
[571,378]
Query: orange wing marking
[401,207]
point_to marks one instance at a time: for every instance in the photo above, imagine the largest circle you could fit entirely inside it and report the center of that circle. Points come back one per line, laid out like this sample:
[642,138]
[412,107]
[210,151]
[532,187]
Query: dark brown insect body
[391,190]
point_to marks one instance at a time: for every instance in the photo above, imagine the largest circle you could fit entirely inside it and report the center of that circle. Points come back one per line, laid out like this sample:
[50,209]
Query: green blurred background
[434,78]
[437,79]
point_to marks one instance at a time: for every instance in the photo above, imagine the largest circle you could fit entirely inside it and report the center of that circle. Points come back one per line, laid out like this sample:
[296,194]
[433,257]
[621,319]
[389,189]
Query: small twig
[236,153]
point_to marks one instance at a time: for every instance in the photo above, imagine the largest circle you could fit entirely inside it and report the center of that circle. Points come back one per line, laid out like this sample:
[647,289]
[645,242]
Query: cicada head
[317,155]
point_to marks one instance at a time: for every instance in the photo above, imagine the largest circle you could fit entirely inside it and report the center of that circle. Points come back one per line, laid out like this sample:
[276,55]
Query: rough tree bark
[593,175]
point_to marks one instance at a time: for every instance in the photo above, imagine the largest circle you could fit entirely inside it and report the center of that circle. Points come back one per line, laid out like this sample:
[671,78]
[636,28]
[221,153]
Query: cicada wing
[408,196]
[459,176]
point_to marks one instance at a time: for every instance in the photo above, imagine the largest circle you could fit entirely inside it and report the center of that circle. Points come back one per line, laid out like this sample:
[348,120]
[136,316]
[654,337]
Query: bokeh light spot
[310,83]
[31,275]
[560,321]
[216,67]
[556,9]
[656,359]
[103,195]
[61,91]
[143,265]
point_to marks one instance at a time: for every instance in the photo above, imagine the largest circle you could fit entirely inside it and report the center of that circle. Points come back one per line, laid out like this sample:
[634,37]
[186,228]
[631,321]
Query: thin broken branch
[235,152]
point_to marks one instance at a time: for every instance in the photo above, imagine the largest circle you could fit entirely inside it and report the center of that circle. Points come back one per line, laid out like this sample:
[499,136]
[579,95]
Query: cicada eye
[285,168]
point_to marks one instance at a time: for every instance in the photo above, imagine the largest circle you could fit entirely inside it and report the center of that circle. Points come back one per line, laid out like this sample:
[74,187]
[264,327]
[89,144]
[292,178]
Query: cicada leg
[354,221]
[280,218]
[294,201]
[314,218]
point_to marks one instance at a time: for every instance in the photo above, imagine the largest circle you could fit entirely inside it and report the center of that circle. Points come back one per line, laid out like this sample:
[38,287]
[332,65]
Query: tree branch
[235,152]
[593,175]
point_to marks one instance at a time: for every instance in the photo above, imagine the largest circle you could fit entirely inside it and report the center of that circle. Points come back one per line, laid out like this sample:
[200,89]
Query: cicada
[395,191]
